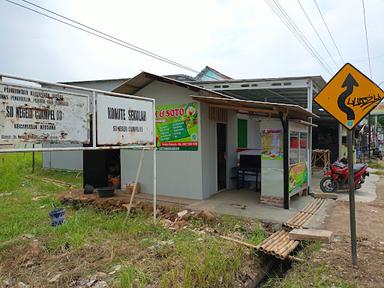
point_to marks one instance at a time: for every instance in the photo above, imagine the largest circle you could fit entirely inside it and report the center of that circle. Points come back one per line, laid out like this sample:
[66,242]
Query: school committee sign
[38,115]
[124,121]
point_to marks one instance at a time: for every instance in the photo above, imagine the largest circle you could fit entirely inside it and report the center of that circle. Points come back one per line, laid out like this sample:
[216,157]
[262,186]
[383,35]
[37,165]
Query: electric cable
[329,31]
[316,32]
[366,39]
[102,35]
[288,22]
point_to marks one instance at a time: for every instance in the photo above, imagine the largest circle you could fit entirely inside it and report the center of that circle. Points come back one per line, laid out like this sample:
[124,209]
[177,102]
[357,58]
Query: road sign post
[352,210]
[349,96]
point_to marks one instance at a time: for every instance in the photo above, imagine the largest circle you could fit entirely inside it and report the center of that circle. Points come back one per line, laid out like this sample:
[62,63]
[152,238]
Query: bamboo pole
[285,247]
[249,245]
[299,219]
[281,245]
[275,240]
[135,185]
[303,220]
[270,239]
[290,249]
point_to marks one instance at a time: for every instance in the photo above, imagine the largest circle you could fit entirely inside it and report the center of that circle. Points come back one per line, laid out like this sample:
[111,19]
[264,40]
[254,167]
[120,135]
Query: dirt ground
[370,235]
[369,217]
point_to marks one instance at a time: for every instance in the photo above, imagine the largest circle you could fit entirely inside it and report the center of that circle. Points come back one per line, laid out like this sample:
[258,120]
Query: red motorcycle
[336,177]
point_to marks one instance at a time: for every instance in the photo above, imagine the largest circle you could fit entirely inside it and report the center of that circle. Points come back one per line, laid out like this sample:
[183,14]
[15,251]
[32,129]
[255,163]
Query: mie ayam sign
[38,115]
[124,121]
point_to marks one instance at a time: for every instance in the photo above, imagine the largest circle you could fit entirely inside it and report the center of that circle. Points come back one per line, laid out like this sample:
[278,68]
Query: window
[242,133]
[298,144]
[294,148]
[303,146]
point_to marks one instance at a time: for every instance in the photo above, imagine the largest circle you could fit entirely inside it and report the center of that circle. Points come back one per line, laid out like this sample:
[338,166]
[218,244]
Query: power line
[366,39]
[101,35]
[329,31]
[290,27]
[134,47]
[289,23]
[317,33]
[303,37]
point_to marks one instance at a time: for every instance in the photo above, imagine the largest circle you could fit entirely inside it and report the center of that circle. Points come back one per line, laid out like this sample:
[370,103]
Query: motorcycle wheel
[328,185]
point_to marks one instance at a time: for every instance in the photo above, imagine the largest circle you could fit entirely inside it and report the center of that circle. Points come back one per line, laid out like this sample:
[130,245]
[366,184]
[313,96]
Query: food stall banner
[177,126]
[298,177]
[272,144]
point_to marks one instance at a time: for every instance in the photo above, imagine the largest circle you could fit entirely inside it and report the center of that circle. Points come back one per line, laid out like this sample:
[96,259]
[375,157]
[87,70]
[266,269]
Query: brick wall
[273,201]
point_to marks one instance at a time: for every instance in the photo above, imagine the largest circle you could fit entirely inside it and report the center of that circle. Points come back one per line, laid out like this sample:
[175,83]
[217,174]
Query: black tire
[328,185]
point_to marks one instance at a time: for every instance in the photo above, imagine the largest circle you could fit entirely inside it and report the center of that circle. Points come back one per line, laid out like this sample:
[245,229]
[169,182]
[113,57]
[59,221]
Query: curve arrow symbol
[349,83]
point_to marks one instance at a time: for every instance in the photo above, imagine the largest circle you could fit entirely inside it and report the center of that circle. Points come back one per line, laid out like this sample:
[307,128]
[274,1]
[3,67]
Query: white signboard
[124,121]
[38,115]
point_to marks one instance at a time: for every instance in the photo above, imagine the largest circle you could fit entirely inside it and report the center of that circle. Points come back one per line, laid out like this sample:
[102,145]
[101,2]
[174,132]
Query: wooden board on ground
[311,235]
[322,195]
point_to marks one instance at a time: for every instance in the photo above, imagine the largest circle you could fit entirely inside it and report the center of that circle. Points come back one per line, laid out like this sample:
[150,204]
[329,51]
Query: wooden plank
[311,235]
[322,195]
[239,242]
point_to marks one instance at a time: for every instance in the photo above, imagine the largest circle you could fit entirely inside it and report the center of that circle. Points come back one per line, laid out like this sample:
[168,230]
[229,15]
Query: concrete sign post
[124,121]
[349,96]
[33,115]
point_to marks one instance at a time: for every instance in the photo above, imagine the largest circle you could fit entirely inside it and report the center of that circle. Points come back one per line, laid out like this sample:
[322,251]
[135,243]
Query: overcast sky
[243,39]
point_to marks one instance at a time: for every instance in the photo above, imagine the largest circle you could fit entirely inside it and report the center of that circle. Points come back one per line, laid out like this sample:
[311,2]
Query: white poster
[39,115]
[124,121]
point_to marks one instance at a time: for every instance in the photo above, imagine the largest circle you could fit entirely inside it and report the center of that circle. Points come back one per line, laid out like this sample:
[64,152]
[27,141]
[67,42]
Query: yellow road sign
[349,96]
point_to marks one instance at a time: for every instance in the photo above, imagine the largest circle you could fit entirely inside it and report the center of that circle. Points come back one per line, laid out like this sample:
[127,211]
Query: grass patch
[378,172]
[91,241]
[303,275]
[375,165]
[317,277]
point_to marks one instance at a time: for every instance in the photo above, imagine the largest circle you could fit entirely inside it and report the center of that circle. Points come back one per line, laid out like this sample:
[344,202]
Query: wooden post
[284,123]
[136,180]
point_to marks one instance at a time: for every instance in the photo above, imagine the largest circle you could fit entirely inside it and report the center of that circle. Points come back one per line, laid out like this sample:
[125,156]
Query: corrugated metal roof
[144,78]
[258,107]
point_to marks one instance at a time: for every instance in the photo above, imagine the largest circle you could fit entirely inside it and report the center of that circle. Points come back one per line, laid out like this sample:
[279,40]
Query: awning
[268,109]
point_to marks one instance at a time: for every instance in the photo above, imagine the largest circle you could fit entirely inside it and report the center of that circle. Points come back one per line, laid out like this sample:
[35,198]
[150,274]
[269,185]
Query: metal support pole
[154,164]
[94,139]
[369,136]
[340,145]
[309,152]
[154,183]
[352,209]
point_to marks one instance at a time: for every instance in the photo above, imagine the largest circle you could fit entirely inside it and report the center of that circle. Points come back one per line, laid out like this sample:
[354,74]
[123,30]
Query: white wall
[179,173]
[67,160]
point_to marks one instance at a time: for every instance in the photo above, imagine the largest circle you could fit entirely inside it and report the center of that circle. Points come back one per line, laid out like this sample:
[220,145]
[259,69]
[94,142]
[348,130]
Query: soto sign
[177,127]
[124,121]
[298,177]
[39,115]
